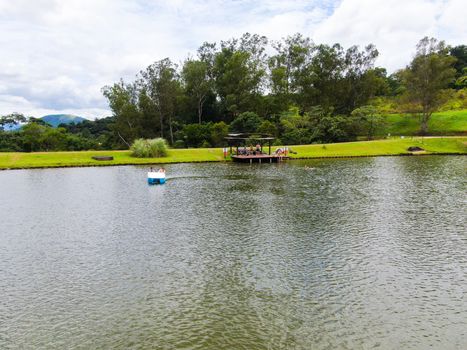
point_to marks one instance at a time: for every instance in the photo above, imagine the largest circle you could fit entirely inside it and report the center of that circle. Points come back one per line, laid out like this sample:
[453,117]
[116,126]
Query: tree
[197,83]
[460,54]
[368,120]
[430,71]
[247,122]
[461,82]
[161,83]
[289,69]
[239,72]
[325,79]
[361,80]
[123,99]
[32,136]
[327,127]
[11,119]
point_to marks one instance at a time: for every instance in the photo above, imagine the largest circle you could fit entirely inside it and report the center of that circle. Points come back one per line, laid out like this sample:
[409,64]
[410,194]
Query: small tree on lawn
[428,74]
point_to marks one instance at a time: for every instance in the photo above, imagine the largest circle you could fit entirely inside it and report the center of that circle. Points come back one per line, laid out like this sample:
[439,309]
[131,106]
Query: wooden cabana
[249,148]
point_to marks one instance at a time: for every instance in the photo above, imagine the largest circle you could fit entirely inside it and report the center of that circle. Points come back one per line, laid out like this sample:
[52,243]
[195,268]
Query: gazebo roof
[249,136]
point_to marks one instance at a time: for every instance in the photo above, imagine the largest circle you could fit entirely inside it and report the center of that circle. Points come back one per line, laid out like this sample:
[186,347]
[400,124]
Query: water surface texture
[320,254]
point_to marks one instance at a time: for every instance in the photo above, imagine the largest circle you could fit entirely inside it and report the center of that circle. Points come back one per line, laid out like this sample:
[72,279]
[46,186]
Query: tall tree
[197,83]
[326,76]
[460,53]
[123,99]
[360,80]
[430,71]
[289,69]
[237,80]
[161,82]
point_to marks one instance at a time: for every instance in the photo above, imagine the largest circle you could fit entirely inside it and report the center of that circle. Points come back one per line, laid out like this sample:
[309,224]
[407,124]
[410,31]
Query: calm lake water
[324,254]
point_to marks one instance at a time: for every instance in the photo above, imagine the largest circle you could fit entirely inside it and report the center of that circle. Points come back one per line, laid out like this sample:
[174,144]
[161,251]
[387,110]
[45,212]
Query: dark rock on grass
[415,149]
[103,158]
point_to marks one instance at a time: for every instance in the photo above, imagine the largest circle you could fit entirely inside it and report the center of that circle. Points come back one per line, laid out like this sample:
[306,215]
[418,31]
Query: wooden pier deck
[259,158]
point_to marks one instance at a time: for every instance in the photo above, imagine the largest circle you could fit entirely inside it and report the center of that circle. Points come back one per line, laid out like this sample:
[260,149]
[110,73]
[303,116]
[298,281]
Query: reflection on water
[322,254]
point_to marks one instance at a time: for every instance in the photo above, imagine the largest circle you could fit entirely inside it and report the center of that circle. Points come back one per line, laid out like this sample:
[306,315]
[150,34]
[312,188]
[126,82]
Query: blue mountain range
[57,119]
[52,119]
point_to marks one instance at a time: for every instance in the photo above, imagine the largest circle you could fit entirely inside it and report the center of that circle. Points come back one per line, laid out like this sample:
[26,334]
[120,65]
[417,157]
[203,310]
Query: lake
[319,254]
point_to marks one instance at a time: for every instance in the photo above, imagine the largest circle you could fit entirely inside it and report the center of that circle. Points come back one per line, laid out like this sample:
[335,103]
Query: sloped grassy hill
[440,123]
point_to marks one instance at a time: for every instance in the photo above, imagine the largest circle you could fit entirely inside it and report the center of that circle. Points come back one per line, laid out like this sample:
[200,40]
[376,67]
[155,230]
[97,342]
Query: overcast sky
[56,55]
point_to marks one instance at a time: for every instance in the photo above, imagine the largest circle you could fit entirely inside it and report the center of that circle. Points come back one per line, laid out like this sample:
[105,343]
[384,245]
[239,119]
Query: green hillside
[441,123]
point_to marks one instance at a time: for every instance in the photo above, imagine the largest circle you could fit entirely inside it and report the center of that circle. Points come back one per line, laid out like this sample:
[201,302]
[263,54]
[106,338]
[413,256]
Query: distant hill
[57,119]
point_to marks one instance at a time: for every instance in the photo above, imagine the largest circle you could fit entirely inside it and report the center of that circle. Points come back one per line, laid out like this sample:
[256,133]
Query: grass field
[394,146]
[440,123]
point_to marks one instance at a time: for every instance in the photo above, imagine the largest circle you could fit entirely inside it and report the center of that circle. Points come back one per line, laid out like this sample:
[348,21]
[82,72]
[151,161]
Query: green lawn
[395,146]
[440,123]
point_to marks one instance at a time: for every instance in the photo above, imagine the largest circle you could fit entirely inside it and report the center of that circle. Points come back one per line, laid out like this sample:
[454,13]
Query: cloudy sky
[56,55]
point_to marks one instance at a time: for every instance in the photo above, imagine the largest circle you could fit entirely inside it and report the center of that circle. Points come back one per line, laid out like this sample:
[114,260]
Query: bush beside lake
[153,148]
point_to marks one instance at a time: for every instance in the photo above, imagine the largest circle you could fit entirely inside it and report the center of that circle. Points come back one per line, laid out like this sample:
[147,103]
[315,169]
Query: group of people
[160,170]
[246,151]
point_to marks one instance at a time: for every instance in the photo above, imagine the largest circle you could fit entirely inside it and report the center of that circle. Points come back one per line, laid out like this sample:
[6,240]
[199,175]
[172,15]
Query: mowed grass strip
[84,158]
[395,146]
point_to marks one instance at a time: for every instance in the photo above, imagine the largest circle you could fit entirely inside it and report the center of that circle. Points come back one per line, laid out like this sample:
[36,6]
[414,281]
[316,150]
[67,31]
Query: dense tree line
[36,135]
[297,90]
[294,89]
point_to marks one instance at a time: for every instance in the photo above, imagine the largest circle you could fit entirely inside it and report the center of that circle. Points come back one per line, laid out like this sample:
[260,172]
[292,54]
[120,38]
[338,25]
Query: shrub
[154,148]
[179,144]
[205,144]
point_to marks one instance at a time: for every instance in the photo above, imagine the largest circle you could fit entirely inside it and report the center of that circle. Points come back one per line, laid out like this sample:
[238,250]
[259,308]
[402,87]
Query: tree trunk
[200,111]
[171,131]
[123,139]
[200,107]
[162,125]
[424,123]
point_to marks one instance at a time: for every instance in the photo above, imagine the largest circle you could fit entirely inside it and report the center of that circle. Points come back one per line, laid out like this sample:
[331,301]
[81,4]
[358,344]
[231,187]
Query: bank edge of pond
[393,147]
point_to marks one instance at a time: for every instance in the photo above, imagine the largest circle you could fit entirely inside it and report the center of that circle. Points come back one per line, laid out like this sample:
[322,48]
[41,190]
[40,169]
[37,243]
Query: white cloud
[394,26]
[57,55]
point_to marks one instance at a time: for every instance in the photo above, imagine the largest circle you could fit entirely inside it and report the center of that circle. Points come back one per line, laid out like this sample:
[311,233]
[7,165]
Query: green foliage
[367,121]
[247,122]
[460,65]
[153,148]
[428,74]
[218,132]
[197,83]
[267,127]
[11,119]
[195,135]
[296,128]
[337,128]
[461,81]
[203,135]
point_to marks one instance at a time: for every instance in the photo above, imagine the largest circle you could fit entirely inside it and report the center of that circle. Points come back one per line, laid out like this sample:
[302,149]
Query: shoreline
[378,148]
[414,154]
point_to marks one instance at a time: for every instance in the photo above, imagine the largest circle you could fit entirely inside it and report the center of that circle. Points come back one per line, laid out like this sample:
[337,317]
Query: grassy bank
[441,123]
[396,146]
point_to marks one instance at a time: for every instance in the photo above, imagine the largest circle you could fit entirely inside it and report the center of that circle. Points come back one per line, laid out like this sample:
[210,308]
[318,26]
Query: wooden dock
[259,158]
